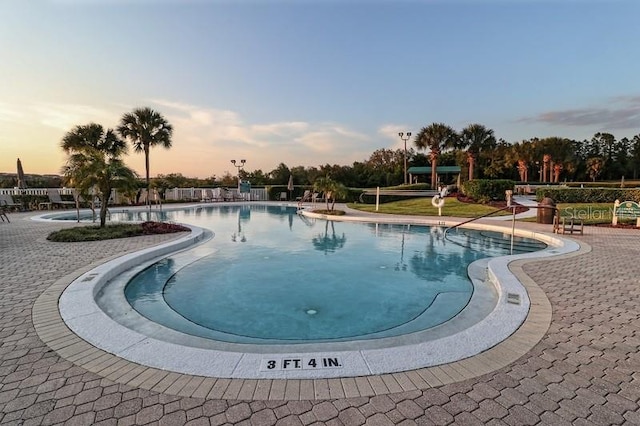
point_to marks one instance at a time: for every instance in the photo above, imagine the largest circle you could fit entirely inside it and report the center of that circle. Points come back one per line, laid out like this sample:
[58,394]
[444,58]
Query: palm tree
[326,185]
[476,138]
[332,190]
[94,162]
[436,137]
[145,128]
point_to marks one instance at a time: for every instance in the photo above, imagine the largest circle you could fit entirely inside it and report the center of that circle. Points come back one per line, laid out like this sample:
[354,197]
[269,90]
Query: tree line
[480,155]
[475,149]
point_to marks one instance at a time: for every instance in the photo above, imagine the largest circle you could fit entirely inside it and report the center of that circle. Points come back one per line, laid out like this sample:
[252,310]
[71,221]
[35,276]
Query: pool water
[271,276]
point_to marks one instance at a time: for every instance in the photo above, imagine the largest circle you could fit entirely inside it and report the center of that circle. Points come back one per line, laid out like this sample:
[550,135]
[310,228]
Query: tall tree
[437,137]
[94,162]
[386,166]
[476,138]
[145,128]
[280,175]
[635,155]
[594,167]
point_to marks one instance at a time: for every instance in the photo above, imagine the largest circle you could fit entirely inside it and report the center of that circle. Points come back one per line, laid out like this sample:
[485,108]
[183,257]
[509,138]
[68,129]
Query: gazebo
[447,171]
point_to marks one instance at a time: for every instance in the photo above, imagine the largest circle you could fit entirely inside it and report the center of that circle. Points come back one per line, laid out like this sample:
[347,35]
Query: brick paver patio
[585,370]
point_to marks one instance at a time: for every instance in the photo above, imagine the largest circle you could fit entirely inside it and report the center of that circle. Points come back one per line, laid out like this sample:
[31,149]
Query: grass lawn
[590,213]
[423,207]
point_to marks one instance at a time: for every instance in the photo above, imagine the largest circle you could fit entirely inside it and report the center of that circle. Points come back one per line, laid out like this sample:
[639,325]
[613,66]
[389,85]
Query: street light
[238,166]
[405,137]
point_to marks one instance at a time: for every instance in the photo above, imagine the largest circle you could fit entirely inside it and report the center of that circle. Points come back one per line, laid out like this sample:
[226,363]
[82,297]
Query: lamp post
[405,137]
[238,166]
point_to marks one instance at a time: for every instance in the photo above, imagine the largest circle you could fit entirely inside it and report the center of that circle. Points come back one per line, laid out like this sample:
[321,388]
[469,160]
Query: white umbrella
[290,185]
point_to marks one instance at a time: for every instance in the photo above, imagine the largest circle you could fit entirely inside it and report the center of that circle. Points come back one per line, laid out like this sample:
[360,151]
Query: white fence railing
[174,194]
[34,191]
[197,194]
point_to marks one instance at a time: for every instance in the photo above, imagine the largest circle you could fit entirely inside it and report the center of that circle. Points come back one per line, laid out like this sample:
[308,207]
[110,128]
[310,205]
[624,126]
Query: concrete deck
[585,370]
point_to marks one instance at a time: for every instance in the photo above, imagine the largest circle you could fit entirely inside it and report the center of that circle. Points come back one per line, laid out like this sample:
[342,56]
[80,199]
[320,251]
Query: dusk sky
[311,82]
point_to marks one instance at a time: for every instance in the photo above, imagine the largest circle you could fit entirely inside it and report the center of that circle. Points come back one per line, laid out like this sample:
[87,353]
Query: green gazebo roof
[439,169]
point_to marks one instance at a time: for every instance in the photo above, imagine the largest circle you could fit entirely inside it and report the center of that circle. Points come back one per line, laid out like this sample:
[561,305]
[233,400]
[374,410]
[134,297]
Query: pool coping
[55,333]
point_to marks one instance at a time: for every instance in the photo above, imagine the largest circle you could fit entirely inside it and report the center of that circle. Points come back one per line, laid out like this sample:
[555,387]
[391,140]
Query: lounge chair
[316,197]
[237,196]
[306,197]
[225,195]
[56,200]
[283,196]
[3,212]
[6,200]
[207,195]
[217,194]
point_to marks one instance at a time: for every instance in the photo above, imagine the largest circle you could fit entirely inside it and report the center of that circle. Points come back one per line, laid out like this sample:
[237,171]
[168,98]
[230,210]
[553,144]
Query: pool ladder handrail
[513,224]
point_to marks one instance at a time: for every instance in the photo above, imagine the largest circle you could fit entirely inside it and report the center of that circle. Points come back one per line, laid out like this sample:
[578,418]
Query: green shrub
[116,230]
[330,212]
[352,196]
[589,195]
[95,233]
[628,184]
[485,190]
[274,192]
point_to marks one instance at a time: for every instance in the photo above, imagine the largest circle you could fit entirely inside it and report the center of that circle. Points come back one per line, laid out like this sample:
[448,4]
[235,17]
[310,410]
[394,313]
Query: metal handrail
[478,217]
[513,223]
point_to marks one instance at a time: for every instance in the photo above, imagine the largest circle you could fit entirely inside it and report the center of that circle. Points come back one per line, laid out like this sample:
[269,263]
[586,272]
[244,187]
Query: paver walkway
[586,369]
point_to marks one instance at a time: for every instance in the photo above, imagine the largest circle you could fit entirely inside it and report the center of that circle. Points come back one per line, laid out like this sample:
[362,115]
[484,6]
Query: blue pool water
[271,276]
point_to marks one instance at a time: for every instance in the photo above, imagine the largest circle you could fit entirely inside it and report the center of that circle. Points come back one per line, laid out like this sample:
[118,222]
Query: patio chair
[7,201]
[283,196]
[3,212]
[207,195]
[316,197]
[217,194]
[226,195]
[56,200]
[306,197]
[237,196]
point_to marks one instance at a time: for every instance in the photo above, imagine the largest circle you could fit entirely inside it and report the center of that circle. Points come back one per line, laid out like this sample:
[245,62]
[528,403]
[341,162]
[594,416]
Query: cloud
[9,113]
[66,116]
[623,112]
[205,139]
[224,128]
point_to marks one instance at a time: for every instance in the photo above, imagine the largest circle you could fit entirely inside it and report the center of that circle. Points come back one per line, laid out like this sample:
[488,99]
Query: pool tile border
[53,331]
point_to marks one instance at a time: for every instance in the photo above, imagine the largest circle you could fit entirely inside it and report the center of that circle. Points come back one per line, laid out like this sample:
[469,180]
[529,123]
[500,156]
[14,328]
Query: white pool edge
[80,312]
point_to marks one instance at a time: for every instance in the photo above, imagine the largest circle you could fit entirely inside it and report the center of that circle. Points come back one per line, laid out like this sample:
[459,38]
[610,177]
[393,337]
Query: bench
[568,225]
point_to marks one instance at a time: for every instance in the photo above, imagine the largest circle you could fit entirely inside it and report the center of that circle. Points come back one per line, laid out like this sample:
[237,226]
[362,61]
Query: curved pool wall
[81,313]
[304,287]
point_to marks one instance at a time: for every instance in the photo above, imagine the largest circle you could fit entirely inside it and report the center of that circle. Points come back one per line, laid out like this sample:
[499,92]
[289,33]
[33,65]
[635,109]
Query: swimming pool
[275,277]
[255,243]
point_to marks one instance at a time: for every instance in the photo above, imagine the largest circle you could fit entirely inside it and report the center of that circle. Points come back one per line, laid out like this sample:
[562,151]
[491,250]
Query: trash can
[546,211]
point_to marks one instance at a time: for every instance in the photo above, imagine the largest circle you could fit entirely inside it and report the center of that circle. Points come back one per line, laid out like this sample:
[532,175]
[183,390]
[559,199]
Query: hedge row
[628,184]
[589,195]
[484,190]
